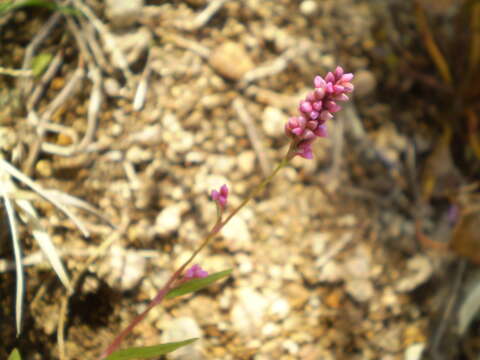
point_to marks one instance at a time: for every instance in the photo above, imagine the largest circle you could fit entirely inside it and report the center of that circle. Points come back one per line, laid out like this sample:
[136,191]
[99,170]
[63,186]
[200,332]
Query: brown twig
[247,121]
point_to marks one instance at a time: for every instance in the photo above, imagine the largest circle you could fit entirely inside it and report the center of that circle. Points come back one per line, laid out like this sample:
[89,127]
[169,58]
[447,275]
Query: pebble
[414,352]
[248,313]
[291,346]
[308,7]
[180,329]
[419,270]
[246,162]
[273,122]
[231,60]
[365,83]
[279,309]
[360,290]
[122,269]
[237,235]
[138,155]
[169,219]
[44,168]
[123,12]
[270,330]
[331,272]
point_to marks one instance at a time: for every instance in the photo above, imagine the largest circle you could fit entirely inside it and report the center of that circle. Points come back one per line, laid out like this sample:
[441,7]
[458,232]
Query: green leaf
[40,63]
[14,355]
[197,284]
[148,351]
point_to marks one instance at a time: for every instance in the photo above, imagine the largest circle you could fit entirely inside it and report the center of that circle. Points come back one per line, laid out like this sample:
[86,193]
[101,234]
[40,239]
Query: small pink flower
[221,196]
[195,272]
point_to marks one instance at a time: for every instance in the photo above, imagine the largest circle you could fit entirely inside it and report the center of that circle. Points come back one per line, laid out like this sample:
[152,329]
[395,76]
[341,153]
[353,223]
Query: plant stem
[176,275]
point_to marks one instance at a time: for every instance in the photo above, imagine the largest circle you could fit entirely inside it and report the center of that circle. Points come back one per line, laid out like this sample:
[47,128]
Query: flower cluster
[221,196]
[195,272]
[318,107]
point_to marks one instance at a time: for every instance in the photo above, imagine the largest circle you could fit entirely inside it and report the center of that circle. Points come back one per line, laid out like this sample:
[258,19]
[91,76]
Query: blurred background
[125,114]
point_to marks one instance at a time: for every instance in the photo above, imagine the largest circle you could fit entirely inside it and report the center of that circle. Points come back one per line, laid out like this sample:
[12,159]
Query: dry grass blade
[11,170]
[432,48]
[18,258]
[68,199]
[44,241]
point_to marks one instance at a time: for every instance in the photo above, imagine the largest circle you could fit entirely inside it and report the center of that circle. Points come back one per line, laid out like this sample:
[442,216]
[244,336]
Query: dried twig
[278,65]
[203,17]
[59,100]
[46,78]
[26,85]
[252,132]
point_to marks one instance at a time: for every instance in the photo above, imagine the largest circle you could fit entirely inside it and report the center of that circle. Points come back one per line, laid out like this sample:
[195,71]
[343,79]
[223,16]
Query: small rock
[360,289]
[237,234]
[138,155]
[273,121]
[169,219]
[414,352]
[270,330]
[246,162]
[331,272]
[280,309]
[44,168]
[419,270]
[231,60]
[122,269]
[364,82]
[180,329]
[123,12]
[308,7]
[248,313]
[112,87]
[291,346]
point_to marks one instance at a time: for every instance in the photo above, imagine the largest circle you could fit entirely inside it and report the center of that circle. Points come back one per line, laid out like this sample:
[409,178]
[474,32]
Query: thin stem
[214,231]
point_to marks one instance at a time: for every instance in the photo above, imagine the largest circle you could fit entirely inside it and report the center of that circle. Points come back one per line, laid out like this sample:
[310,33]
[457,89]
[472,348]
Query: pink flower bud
[195,272]
[318,82]
[220,197]
[338,72]
[330,78]
[304,150]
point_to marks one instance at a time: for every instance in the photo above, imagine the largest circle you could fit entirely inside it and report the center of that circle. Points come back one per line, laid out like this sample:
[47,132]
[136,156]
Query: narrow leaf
[44,241]
[148,352]
[14,355]
[197,284]
[17,253]
[40,63]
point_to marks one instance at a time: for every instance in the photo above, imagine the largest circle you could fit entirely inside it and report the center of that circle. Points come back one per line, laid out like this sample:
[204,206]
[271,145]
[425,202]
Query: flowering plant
[317,108]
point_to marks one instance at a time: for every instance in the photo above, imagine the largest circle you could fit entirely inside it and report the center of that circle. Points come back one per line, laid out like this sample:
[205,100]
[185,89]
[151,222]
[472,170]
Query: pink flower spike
[195,272]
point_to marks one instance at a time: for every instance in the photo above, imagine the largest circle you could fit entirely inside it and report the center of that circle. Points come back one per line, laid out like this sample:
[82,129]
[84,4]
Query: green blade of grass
[14,355]
[197,284]
[149,351]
